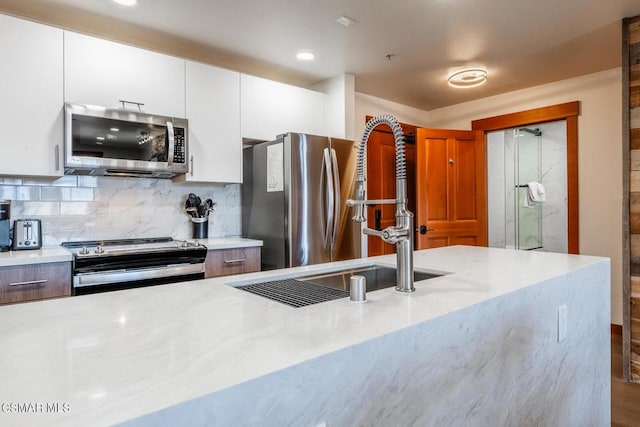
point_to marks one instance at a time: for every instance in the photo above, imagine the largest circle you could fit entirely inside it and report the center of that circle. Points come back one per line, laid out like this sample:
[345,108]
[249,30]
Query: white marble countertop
[115,356]
[59,254]
[34,256]
[228,242]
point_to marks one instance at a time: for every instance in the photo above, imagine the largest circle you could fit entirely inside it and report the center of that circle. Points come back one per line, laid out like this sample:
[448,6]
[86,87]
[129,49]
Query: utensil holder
[200,228]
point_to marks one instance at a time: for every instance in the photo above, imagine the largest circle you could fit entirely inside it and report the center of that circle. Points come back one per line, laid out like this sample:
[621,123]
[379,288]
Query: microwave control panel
[179,150]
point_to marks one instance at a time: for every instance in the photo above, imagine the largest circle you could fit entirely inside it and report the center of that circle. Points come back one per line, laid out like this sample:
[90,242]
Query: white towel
[534,195]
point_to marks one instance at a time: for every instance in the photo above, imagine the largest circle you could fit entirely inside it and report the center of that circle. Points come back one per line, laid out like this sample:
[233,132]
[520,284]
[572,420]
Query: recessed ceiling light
[126,2]
[467,78]
[306,55]
[114,129]
[100,138]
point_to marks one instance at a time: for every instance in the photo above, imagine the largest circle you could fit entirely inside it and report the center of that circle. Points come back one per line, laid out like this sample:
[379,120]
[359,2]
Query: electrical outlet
[562,323]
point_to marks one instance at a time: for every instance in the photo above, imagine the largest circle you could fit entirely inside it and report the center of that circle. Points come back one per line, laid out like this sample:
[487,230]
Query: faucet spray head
[359,215]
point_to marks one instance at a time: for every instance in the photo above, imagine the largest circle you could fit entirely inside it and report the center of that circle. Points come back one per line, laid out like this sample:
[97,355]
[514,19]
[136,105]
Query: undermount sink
[376,276]
[307,290]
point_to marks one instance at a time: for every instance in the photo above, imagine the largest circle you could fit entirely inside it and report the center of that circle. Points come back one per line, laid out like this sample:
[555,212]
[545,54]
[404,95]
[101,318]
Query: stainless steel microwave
[112,142]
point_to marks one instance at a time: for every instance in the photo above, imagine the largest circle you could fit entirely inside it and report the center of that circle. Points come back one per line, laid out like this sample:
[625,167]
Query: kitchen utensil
[212,207]
[192,199]
[197,208]
[202,210]
[192,211]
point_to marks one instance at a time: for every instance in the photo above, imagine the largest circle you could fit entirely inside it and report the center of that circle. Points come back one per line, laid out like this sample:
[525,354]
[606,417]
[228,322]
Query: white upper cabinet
[103,73]
[32,98]
[270,108]
[213,111]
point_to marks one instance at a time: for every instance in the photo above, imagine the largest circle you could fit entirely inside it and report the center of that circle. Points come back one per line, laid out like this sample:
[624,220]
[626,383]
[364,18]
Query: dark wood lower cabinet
[22,283]
[223,262]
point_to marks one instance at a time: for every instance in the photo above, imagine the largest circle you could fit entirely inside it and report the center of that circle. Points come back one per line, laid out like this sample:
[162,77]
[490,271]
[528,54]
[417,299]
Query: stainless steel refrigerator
[294,196]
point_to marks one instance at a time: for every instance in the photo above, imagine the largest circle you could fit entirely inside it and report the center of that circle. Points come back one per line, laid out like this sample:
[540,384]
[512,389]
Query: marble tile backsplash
[84,208]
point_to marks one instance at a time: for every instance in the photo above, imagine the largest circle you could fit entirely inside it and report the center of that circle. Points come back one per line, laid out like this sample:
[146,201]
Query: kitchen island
[481,345]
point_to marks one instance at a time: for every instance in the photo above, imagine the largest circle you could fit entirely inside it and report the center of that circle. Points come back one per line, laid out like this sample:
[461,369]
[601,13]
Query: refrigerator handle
[336,196]
[329,197]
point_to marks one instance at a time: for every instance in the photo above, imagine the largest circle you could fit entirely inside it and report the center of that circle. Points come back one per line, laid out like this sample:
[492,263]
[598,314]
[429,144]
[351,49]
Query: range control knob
[84,250]
[99,249]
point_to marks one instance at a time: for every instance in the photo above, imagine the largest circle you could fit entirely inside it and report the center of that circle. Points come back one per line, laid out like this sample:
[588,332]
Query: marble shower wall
[81,208]
[554,177]
[501,185]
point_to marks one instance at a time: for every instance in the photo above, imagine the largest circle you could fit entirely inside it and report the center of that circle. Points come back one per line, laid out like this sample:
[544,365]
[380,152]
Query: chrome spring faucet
[400,234]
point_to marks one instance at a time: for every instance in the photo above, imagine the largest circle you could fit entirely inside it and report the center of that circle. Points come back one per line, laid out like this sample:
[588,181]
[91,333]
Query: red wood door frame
[569,112]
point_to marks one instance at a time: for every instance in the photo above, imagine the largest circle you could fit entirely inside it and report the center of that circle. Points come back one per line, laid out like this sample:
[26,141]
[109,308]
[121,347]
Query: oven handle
[123,276]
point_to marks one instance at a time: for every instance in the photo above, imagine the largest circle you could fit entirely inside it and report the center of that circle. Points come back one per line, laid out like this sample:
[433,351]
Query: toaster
[27,234]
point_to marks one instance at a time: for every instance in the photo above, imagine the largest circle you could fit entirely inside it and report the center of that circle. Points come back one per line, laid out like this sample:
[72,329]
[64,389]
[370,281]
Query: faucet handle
[372,232]
[390,234]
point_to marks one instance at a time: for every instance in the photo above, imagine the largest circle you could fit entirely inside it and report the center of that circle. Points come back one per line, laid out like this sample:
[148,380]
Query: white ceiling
[521,43]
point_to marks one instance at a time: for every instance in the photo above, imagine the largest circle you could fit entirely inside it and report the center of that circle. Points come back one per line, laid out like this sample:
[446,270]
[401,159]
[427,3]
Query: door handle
[172,143]
[335,172]
[329,197]
[423,229]
[30,282]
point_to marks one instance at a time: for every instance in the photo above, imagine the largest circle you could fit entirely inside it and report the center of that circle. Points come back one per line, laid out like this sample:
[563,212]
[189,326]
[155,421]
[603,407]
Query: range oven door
[126,268]
[104,281]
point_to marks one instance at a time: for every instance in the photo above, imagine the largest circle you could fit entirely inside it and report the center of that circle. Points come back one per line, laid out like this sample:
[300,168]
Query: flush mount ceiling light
[346,21]
[126,2]
[467,78]
[306,55]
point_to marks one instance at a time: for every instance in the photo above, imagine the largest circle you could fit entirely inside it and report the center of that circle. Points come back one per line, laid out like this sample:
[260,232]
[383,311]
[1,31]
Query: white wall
[339,105]
[599,155]
[367,105]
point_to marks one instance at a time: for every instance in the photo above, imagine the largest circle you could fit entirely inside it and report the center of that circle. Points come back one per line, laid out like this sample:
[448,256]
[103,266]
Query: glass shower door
[527,168]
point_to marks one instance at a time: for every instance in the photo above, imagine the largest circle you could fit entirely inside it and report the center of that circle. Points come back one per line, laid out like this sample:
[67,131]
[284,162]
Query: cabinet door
[100,72]
[213,110]
[32,282]
[270,108]
[32,98]
[223,262]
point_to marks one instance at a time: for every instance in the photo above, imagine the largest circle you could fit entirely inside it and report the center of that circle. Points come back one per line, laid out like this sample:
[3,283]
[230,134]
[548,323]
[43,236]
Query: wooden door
[381,181]
[451,188]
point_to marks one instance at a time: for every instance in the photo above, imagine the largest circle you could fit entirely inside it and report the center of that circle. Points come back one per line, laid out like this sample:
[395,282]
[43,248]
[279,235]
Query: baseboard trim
[616,329]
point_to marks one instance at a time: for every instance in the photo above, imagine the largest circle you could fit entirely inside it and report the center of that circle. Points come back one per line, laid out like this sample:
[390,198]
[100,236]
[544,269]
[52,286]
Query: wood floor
[625,397]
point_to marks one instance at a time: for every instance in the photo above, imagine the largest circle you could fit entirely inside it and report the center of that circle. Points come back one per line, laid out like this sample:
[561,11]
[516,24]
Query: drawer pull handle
[31,282]
[235,261]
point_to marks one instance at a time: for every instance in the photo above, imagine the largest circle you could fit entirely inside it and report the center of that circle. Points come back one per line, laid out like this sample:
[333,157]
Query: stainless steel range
[107,265]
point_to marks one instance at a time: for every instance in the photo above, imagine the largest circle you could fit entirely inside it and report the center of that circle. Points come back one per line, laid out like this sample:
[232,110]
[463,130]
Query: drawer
[36,281]
[222,262]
